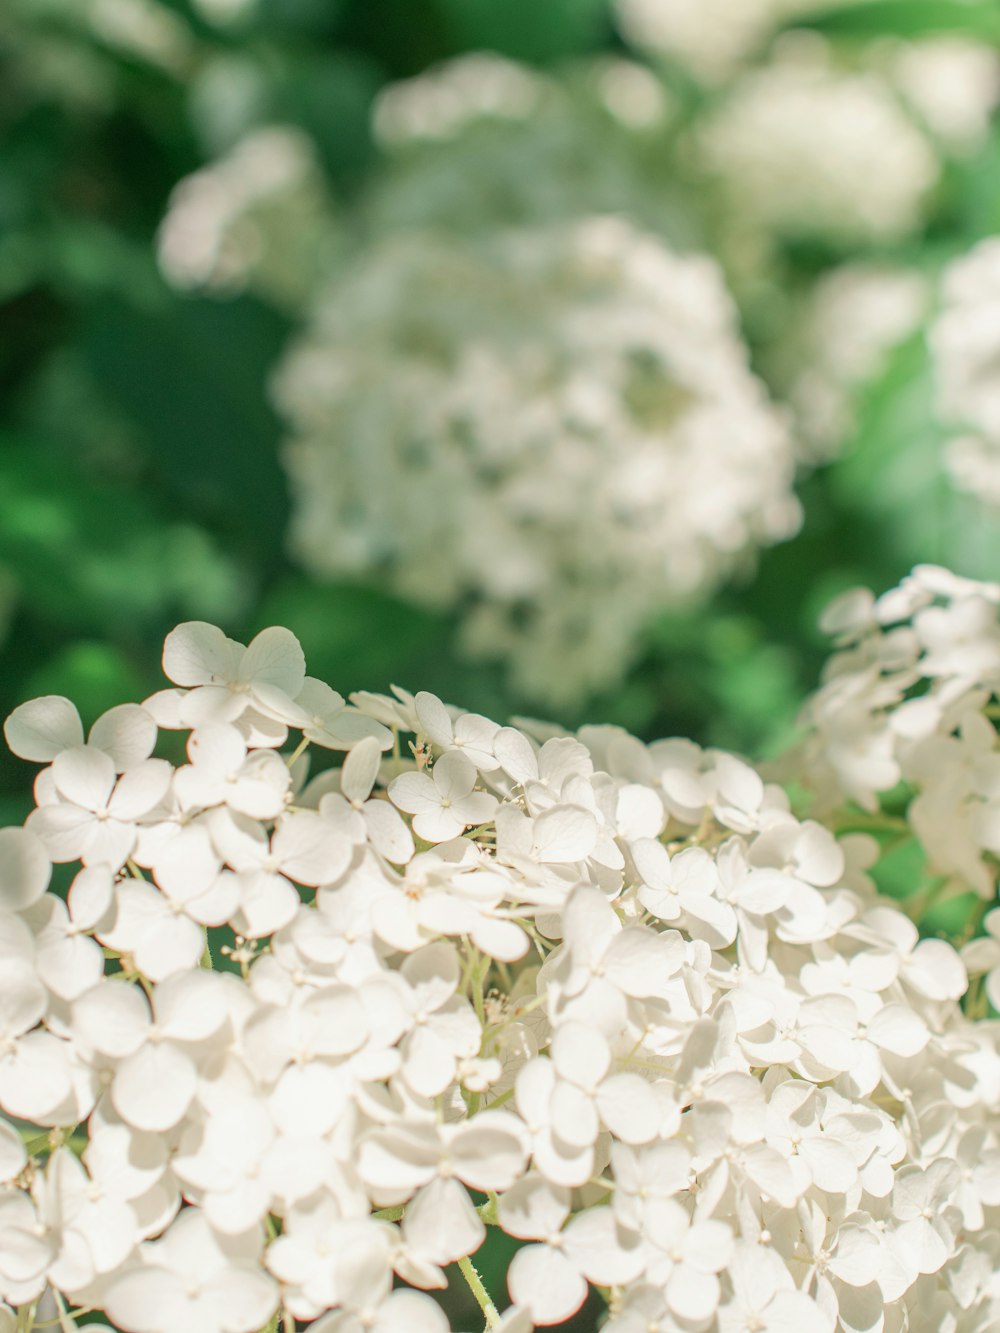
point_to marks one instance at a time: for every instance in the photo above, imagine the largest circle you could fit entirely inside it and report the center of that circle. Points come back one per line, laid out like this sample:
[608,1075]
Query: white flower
[156,1076]
[610,368]
[762,139]
[227,680]
[327,720]
[686,1260]
[471,733]
[93,815]
[26,1251]
[42,728]
[195,1280]
[222,773]
[443,802]
[764,1297]
[550,1279]
[427,1162]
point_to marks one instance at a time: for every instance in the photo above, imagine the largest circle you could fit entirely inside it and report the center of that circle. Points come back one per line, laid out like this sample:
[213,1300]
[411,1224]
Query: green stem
[490,1312]
[299,750]
[389,1214]
[206,957]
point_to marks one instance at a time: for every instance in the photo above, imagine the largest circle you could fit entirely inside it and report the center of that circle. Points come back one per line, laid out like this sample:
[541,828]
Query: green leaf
[907,18]
[537,30]
[192,374]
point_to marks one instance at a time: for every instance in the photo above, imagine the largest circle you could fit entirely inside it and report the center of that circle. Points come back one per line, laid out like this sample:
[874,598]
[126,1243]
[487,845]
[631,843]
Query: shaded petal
[42,728]
[546,1283]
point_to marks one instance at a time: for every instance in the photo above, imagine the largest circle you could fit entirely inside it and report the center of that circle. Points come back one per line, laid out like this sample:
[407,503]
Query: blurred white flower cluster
[910,698]
[260,213]
[709,38]
[965,344]
[669,1031]
[856,315]
[556,424]
[762,143]
[481,142]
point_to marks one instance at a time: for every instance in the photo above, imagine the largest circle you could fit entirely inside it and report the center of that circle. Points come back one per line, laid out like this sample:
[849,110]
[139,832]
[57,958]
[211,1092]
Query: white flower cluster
[480,142]
[909,698]
[440,103]
[965,344]
[763,141]
[593,448]
[668,1030]
[857,314]
[258,215]
[711,38]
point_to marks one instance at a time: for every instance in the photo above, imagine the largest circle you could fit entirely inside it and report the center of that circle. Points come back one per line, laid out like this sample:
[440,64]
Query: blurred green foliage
[139,474]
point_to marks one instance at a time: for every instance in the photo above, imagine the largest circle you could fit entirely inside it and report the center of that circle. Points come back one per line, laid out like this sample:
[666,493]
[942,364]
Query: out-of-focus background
[562,358]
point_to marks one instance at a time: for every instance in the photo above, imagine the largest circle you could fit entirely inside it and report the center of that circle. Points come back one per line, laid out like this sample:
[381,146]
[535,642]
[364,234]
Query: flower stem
[490,1312]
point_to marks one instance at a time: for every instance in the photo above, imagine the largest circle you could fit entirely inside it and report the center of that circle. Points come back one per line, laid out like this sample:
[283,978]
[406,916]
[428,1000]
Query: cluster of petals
[599,450]
[287,1039]
[904,718]
[964,343]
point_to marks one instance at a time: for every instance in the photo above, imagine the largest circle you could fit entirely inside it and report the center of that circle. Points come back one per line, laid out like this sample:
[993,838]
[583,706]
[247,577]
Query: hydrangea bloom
[762,142]
[259,215]
[667,1030]
[480,142]
[596,450]
[965,342]
[856,315]
[906,717]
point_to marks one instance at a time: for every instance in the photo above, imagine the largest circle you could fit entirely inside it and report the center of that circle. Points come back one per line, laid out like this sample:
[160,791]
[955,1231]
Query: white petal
[580,1054]
[25,869]
[90,896]
[127,733]
[310,849]
[113,1018]
[489,1151]
[434,718]
[357,777]
[454,776]
[22,998]
[898,1029]
[36,1078]
[546,1283]
[267,902]
[601,1250]
[42,728]
[154,1087]
[628,1107]
[566,833]
[533,1209]
[692,1295]
[191,1006]
[13,1155]
[84,776]
[387,833]
[640,962]
[441,1223]
[147,1299]
[275,658]
[63,829]
[415,793]
[140,788]
[196,653]
[428,1064]
[409,1310]
[516,754]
